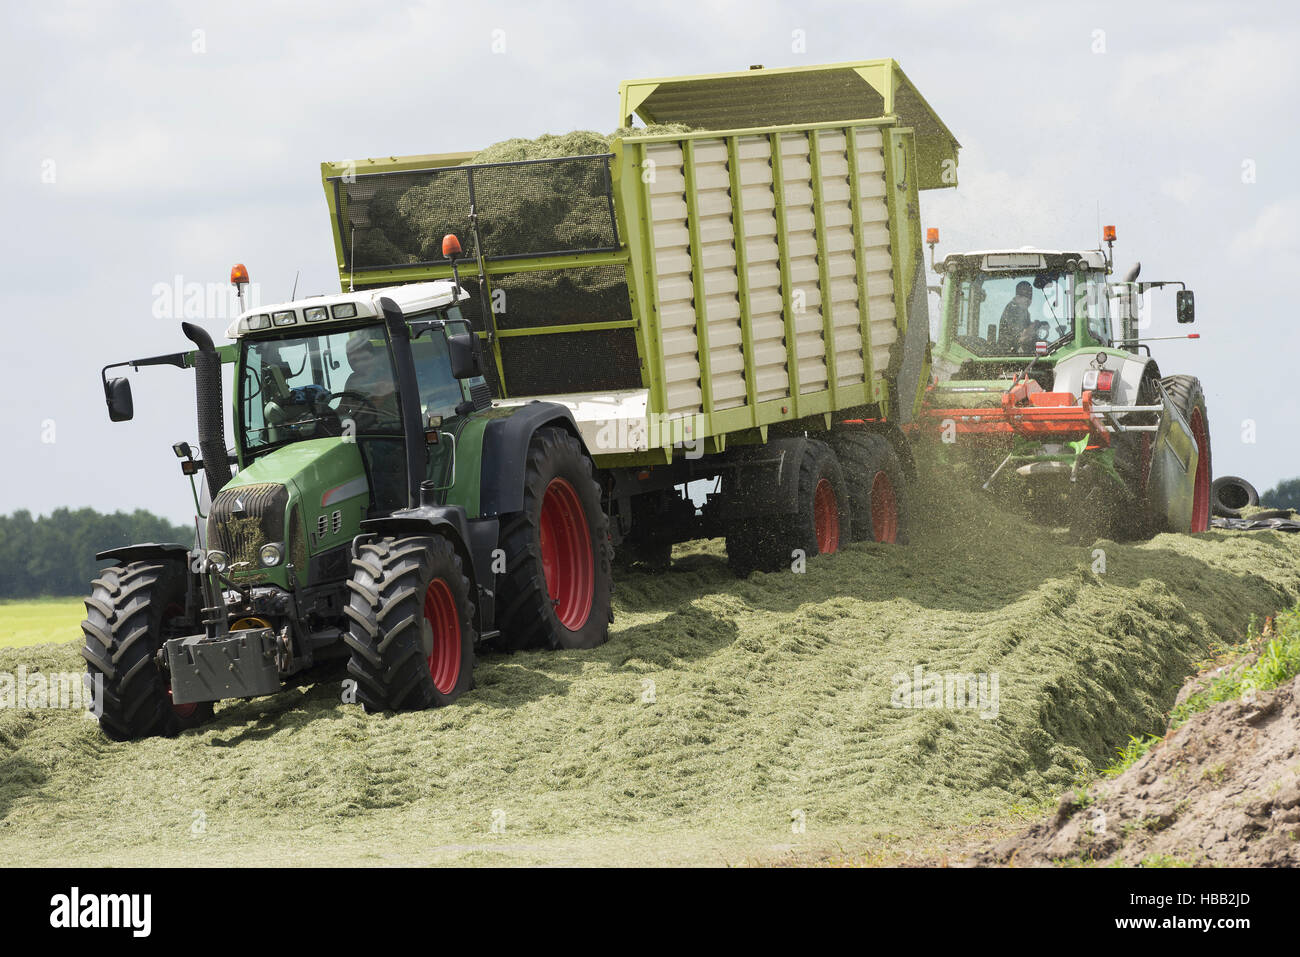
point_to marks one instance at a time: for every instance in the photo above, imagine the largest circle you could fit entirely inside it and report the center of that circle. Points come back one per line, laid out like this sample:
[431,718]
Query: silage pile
[724,721]
[522,210]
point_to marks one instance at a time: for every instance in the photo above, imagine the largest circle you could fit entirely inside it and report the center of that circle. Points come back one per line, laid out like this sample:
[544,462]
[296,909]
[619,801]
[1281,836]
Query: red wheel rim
[826,517]
[1201,490]
[884,510]
[442,619]
[182,711]
[567,561]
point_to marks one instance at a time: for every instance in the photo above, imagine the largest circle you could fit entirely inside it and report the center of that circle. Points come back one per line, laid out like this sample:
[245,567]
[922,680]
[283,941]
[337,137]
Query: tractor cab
[330,367]
[1001,308]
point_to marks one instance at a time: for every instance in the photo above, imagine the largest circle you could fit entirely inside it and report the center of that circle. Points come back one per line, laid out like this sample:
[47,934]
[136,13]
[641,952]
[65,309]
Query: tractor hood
[309,498]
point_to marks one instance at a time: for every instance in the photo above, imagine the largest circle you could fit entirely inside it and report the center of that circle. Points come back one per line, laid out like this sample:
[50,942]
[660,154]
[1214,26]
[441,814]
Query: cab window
[439,392]
[1095,305]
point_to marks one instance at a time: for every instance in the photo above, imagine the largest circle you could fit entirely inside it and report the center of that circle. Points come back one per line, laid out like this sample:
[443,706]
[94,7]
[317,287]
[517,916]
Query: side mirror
[1185,305]
[464,356]
[117,392]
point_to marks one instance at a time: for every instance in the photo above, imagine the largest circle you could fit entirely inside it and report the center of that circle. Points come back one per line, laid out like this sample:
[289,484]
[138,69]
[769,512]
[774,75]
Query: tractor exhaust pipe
[207,399]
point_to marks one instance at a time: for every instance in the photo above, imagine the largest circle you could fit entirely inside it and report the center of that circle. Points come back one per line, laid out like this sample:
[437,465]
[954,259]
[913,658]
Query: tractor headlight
[218,560]
[316,314]
[271,554]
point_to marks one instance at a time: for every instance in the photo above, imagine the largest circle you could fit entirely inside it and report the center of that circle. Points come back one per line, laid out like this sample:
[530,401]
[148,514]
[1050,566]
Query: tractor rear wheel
[1187,396]
[412,632]
[131,611]
[555,592]
[877,486]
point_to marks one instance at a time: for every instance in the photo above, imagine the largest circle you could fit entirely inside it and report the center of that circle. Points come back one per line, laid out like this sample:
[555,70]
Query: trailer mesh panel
[525,209]
[599,360]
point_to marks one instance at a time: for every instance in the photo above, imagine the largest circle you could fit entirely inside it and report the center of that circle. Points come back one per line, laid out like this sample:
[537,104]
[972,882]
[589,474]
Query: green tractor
[1052,400]
[382,511]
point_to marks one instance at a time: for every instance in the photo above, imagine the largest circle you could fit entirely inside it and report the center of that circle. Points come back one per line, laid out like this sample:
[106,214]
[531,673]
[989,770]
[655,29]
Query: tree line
[1285,495]
[55,554]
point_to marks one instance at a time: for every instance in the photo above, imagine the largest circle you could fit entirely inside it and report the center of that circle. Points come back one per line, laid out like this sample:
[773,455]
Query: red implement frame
[1027,410]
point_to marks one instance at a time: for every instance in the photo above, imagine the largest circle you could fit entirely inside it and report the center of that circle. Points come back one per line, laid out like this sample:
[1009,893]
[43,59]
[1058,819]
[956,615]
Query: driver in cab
[370,394]
[1016,329]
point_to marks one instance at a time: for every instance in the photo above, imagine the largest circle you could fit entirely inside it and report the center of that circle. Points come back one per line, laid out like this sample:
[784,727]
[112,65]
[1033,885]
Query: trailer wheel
[1187,396]
[758,544]
[824,520]
[412,633]
[131,611]
[556,588]
[821,523]
[877,486]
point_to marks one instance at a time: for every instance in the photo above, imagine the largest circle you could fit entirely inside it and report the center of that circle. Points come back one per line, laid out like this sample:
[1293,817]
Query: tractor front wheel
[412,633]
[1187,396]
[131,611]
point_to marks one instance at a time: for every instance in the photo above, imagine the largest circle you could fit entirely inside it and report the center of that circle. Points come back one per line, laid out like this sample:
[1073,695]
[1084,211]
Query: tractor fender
[1129,371]
[505,453]
[473,539]
[766,478]
[147,552]
[449,521]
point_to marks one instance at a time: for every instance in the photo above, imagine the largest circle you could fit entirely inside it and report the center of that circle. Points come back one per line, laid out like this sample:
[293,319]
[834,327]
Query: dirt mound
[1223,789]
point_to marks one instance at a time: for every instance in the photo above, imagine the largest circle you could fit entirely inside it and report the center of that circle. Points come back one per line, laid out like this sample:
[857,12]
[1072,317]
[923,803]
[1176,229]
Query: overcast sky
[149,141]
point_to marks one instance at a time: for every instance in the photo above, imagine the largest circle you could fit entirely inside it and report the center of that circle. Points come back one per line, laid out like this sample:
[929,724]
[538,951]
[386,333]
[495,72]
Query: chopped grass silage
[721,718]
[529,209]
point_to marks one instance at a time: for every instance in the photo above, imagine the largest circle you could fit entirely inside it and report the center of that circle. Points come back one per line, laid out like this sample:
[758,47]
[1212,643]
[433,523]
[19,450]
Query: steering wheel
[366,402]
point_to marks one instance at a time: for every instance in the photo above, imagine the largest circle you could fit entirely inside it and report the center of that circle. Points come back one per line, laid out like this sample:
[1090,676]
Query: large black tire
[821,523]
[1129,513]
[131,611]
[758,544]
[1229,494]
[824,520]
[874,474]
[412,633]
[571,608]
[1185,393]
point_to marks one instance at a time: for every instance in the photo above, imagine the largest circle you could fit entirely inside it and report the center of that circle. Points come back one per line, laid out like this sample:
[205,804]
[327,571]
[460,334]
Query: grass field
[725,721]
[43,620]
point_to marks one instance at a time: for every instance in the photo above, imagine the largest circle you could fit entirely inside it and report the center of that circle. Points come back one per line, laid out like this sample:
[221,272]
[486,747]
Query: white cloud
[1185,188]
[1272,240]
